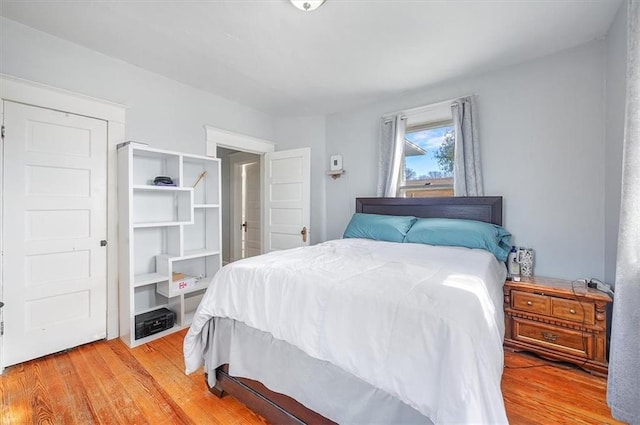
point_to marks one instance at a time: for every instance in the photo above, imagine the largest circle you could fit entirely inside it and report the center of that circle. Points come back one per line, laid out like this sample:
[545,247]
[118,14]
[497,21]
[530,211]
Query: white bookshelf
[165,230]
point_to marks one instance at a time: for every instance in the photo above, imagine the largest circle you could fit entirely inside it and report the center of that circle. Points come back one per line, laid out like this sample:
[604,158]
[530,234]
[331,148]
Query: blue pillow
[392,228]
[466,233]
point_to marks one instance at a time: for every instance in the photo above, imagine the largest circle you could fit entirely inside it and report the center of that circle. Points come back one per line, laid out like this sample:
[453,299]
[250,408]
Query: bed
[330,335]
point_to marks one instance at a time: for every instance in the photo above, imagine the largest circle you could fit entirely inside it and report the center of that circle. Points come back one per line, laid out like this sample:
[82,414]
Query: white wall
[542,135]
[162,112]
[301,132]
[616,62]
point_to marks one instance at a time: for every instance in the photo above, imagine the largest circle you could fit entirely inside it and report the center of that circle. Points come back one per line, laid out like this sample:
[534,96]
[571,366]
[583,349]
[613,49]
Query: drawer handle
[549,337]
[572,311]
[529,303]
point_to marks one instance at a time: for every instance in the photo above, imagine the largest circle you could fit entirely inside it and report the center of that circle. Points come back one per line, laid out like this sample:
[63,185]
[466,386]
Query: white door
[246,229]
[53,222]
[287,199]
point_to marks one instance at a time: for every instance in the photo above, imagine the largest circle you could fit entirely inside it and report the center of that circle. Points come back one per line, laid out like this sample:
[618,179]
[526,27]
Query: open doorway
[241,200]
[284,193]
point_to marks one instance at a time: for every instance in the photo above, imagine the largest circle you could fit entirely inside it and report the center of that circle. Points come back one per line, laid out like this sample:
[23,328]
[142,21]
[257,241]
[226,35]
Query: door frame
[216,137]
[40,95]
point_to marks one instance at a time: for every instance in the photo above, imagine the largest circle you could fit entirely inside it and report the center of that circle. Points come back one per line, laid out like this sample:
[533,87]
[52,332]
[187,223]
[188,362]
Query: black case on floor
[153,322]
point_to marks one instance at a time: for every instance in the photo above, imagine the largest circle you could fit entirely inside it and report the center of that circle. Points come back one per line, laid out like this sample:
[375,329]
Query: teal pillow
[392,228]
[466,233]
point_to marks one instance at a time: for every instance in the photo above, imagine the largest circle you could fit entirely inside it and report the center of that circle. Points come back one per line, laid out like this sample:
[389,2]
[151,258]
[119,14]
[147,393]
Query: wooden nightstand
[546,316]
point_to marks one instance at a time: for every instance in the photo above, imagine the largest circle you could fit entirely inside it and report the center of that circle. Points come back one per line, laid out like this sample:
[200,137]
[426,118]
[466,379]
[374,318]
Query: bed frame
[283,410]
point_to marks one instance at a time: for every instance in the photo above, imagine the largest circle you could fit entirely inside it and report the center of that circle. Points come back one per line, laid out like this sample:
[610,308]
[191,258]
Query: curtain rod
[418,109]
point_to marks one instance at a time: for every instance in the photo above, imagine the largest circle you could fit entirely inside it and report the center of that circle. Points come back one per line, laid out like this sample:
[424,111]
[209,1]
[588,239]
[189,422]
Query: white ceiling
[273,57]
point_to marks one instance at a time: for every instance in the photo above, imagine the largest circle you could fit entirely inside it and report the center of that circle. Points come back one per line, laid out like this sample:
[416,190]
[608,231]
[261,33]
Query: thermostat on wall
[336,162]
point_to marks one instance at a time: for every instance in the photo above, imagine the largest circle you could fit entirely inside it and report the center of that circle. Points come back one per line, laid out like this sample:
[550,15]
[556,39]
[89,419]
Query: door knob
[244,226]
[304,234]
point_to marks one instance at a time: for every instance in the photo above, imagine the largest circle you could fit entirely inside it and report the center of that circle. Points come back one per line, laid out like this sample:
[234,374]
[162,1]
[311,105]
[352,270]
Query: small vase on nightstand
[525,258]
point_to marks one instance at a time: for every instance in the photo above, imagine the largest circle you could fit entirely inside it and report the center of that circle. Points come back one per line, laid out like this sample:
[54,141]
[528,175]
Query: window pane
[429,157]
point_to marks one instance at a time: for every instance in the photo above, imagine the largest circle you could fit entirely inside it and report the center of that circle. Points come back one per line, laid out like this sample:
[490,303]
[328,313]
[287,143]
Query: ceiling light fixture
[307,5]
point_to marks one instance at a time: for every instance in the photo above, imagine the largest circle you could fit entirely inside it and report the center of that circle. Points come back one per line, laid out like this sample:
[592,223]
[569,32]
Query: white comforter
[423,323]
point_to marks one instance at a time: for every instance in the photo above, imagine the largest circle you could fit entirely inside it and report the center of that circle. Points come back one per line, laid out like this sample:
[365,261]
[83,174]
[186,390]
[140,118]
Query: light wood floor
[107,383]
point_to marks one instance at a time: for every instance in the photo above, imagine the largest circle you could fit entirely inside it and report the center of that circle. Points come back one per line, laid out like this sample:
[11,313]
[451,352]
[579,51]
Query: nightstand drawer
[573,310]
[560,339]
[533,303]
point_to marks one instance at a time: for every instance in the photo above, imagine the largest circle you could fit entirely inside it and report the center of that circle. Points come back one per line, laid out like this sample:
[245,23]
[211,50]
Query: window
[427,163]
[422,152]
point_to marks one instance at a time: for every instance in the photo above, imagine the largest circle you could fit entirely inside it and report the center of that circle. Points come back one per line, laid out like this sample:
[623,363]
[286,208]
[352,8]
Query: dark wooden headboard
[481,208]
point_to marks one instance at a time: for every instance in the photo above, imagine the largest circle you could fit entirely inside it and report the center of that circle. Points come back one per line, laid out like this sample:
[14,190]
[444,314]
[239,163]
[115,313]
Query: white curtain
[467,173]
[623,392]
[392,132]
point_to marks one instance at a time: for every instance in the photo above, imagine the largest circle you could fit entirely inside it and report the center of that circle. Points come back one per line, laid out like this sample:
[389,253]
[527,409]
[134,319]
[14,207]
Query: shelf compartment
[162,205]
[204,233]
[146,299]
[150,242]
[202,266]
[207,191]
[149,164]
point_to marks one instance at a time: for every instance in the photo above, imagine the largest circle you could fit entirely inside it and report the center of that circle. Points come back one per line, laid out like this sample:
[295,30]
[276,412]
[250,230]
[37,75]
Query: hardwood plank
[160,368]
[17,409]
[191,394]
[69,405]
[552,392]
[165,355]
[38,395]
[101,385]
[108,383]
[155,403]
